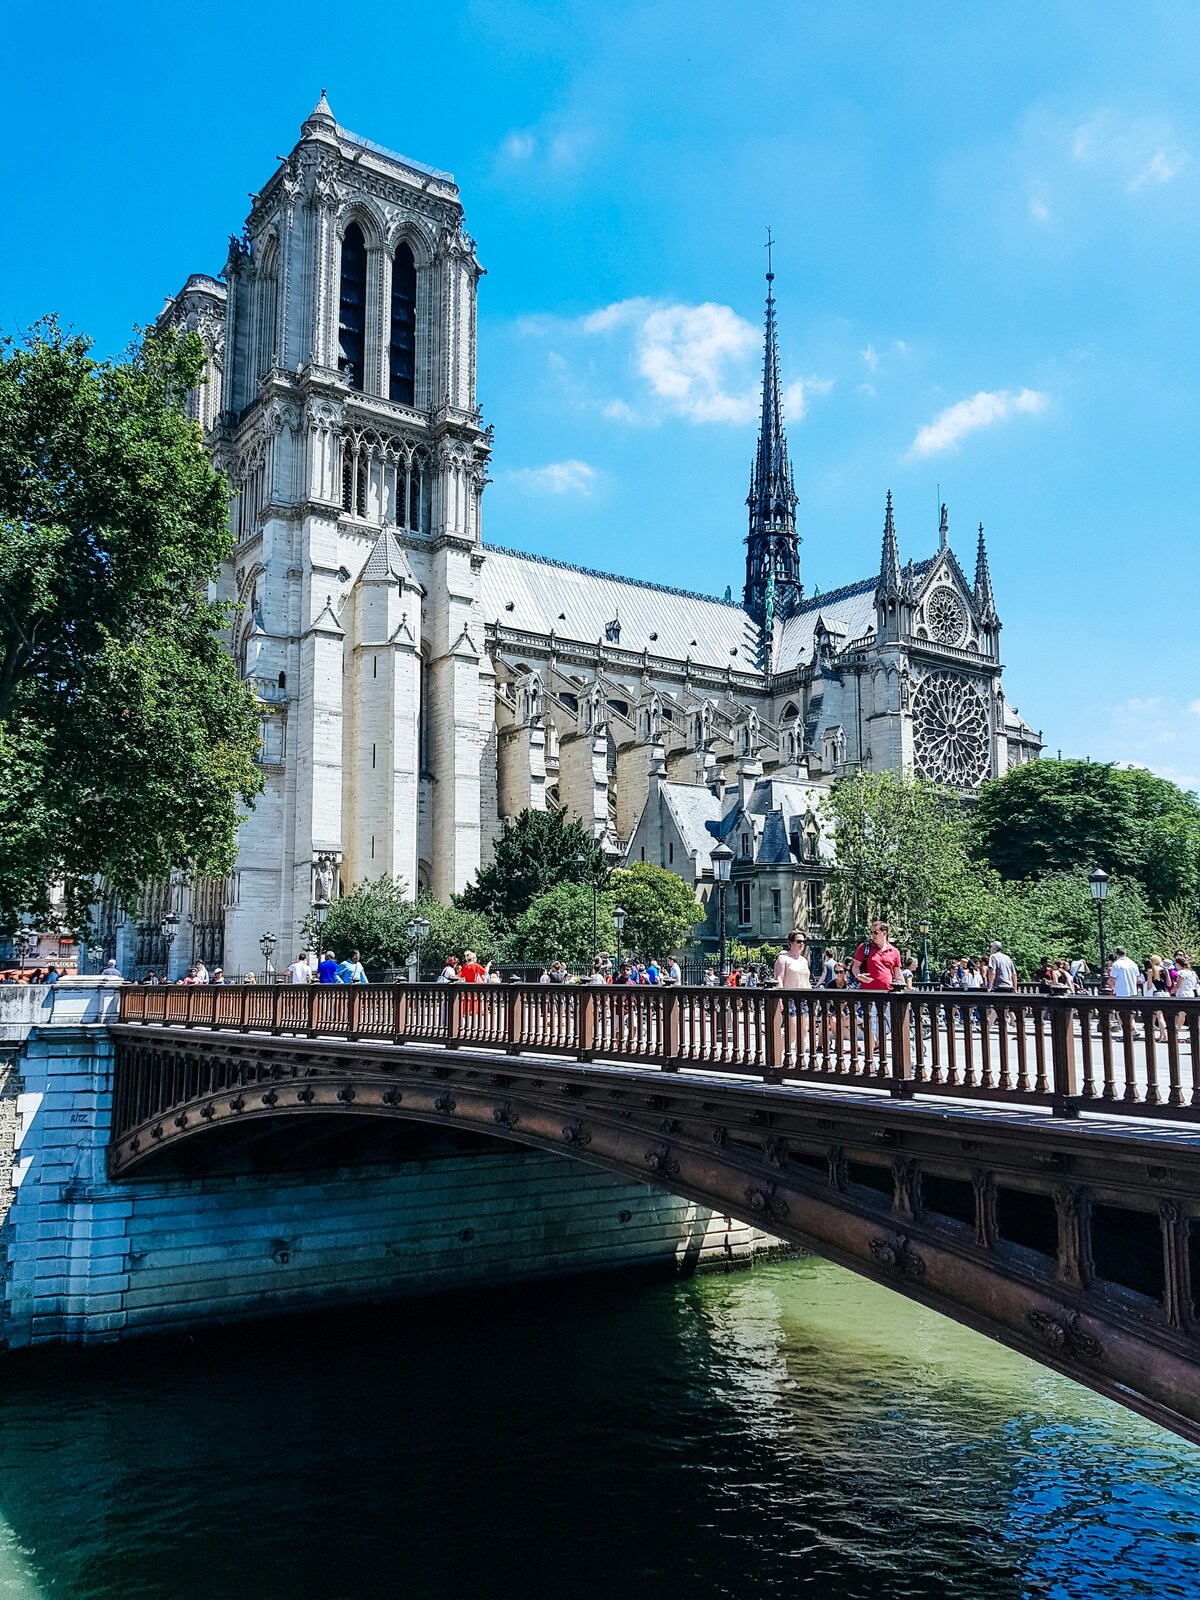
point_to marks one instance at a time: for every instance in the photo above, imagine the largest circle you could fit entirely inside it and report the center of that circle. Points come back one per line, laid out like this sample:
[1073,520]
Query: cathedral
[418,685]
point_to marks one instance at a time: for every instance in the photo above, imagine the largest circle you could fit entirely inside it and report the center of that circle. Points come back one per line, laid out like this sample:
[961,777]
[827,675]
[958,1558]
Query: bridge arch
[994,1224]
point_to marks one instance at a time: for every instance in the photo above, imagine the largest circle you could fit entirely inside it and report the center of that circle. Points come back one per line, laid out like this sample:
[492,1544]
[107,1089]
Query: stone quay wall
[86,1260]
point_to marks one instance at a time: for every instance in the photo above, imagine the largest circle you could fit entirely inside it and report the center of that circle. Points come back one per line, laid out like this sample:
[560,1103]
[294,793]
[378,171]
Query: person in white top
[1001,972]
[1124,975]
[791,966]
[299,971]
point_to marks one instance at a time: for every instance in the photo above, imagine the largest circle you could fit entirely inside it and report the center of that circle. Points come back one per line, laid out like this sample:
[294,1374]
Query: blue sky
[988,223]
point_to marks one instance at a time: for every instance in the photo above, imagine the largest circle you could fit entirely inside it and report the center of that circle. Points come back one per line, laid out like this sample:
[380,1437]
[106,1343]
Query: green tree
[127,741]
[535,851]
[1056,816]
[451,931]
[1177,927]
[1056,916]
[372,918]
[901,845]
[558,925]
[661,912]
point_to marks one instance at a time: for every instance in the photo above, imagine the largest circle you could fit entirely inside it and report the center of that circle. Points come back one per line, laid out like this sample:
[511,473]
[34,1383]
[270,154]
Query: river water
[789,1430]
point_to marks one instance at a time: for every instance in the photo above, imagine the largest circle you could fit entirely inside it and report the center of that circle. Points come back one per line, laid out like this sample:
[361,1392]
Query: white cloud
[1194,707]
[1138,151]
[519,145]
[697,362]
[557,477]
[1162,167]
[871,356]
[953,424]
[795,396]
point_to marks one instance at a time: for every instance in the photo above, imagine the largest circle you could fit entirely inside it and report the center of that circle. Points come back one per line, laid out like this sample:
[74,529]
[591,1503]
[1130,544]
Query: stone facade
[418,686]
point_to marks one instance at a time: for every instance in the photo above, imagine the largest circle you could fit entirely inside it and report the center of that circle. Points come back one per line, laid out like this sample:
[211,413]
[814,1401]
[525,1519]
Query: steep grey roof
[774,850]
[693,807]
[386,560]
[532,594]
[851,607]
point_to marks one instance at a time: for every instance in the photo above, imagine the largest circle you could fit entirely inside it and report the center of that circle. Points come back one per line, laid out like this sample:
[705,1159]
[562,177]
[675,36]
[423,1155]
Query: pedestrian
[1001,971]
[791,965]
[249,978]
[449,973]
[351,970]
[1123,976]
[200,973]
[111,973]
[300,971]
[327,968]
[877,961]
[471,971]
[710,977]
[673,973]
[52,976]
[218,977]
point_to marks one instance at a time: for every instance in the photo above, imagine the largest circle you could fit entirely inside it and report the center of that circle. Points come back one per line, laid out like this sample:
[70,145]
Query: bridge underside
[1074,1242]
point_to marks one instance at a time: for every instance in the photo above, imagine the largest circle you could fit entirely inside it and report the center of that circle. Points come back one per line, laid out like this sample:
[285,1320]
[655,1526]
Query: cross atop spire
[773,548]
[984,599]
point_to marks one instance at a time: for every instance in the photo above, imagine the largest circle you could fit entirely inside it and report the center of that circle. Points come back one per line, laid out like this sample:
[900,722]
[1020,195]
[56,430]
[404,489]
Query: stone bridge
[1026,1165]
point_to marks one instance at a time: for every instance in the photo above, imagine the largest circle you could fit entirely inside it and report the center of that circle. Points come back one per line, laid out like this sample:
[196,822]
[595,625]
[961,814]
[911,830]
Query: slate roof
[693,807]
[851,607]
[532,594]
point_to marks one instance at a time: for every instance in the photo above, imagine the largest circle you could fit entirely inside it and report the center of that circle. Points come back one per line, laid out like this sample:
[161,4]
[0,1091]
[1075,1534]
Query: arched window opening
[403,346]
[354,481]
[352,305]
[268,284]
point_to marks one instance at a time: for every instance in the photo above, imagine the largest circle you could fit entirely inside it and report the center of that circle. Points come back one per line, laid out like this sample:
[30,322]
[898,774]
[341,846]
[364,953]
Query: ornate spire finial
[984,599]
[773,548]
[890,584]
[321,115]
[944,528]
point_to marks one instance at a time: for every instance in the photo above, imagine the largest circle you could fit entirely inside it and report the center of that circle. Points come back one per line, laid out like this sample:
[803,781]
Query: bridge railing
[1136,1057]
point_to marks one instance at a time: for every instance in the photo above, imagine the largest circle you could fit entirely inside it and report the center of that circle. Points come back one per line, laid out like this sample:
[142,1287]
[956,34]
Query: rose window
[950,731]
[945,617]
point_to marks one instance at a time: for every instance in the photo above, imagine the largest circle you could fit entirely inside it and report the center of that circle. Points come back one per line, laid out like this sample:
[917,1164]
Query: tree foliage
[375,916]
[1056,816]
[661,912]
[1055,916]
[558,925]
[127,742]
[902,853]
[535,851]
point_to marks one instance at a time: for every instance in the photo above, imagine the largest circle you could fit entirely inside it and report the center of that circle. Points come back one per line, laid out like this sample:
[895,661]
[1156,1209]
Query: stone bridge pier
[270,1224]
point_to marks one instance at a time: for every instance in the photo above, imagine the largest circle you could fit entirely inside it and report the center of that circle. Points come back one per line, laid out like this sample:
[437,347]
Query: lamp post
[267,945]
[24,941]
[580,863]
[619,924]
[321,912]
[1098,883]
[95,953]
[924,927]
[168,927]
[417,929]
[722,859]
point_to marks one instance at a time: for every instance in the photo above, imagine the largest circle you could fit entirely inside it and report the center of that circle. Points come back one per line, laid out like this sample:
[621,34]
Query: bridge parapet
[1065,1054]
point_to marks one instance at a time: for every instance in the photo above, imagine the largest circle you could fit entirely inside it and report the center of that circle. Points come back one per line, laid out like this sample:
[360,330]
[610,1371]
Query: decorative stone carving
[661,1161]
[1062,1332]
[765,1201]
[894,1252]
[576,1135]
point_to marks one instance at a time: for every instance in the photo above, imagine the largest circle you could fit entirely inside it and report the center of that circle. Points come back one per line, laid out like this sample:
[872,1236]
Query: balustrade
[1123,1057]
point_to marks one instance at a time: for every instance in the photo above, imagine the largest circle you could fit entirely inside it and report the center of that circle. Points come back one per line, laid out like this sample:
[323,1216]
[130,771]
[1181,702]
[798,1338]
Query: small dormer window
[746,845]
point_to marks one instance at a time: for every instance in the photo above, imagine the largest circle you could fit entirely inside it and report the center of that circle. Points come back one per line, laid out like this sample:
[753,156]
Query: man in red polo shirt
[877,962]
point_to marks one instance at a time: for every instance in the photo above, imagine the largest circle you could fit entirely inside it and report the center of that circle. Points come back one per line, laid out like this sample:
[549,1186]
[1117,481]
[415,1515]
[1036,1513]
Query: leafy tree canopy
[127,742]
[374,918]
[901,846]
[535,851]
[1056,816]
[558,925]
[660,910]
[1055,916]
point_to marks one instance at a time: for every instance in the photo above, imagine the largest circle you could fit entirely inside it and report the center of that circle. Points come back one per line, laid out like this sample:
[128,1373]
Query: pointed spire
[944,529]
[984,599]
[890,584]
[320,117]
[772,543]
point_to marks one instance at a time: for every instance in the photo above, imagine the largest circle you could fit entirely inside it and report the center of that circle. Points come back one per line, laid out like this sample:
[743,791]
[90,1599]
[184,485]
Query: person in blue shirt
[327,969]
[652,971]
[351,970]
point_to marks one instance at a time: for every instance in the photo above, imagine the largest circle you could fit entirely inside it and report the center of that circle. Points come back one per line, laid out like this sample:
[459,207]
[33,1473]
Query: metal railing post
[900,1046]
[1062,1058]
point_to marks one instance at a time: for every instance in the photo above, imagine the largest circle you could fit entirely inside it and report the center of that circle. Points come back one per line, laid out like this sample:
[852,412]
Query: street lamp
[321,912]
[417,929]
[168,927]
[24,941]
[95,956]
[924,927]
[1098,883]
[580,863]
[267,945]
[619,924]
[721,857]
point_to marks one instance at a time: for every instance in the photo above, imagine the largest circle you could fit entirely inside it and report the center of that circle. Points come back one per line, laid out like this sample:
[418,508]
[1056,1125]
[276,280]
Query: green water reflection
[791,1430]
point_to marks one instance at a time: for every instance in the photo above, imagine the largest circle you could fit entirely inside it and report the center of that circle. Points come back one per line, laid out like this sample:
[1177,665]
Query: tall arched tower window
[268,297]
[352,306]
[402,349]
